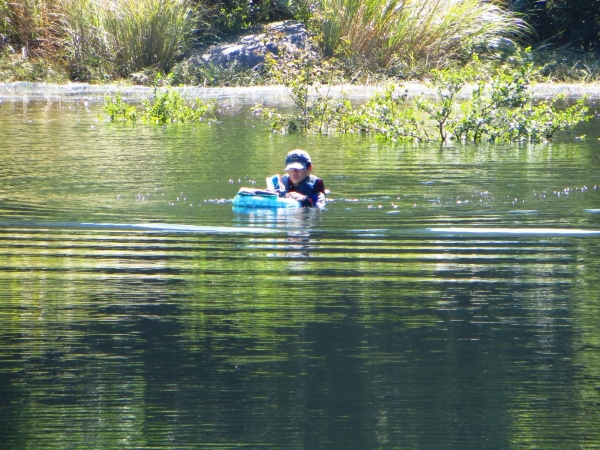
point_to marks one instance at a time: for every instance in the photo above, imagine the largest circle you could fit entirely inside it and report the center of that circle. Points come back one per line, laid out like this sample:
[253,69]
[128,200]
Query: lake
[446,297]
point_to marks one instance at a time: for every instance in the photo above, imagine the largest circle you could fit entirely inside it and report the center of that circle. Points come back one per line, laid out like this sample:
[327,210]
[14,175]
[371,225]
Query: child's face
[297,175]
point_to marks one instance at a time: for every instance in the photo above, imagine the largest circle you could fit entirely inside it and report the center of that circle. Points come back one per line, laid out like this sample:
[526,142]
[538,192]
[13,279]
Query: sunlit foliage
[500,108]
[166,106]
[411,32]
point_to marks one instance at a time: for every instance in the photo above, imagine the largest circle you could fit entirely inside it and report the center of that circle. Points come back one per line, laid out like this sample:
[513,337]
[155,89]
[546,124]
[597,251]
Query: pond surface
[445,298]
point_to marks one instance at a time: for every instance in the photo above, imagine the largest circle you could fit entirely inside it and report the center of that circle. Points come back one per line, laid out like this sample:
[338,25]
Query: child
[298,183]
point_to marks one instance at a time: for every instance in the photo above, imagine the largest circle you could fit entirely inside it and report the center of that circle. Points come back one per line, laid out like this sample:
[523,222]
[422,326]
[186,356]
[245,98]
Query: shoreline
[268,95]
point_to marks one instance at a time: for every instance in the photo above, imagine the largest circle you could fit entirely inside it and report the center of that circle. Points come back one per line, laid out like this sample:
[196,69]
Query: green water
[445,298]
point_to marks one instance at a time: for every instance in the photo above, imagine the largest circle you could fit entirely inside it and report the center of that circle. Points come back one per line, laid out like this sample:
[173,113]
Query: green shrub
[13,67]
[234,15]
[500,108]
[166,106]
[305,76]
[388,117]
[169,106]
[118,110]
[537,122]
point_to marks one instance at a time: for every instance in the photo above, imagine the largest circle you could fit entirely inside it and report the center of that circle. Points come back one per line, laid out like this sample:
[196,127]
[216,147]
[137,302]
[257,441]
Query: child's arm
[275,184]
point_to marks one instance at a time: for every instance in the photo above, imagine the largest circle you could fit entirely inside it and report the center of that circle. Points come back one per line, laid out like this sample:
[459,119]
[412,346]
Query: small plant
[170,106]
[162,107]
[387,116]
[538,122]
[305,78]
[118,110]
[448,84]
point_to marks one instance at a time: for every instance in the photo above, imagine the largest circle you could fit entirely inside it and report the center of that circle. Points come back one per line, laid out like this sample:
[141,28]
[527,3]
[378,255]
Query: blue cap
[297,159]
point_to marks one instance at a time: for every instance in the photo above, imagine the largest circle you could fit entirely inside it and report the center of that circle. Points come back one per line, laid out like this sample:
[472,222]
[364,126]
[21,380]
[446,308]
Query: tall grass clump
[25,23]
[410,33]
[120,37]
[81,36]
[149,33]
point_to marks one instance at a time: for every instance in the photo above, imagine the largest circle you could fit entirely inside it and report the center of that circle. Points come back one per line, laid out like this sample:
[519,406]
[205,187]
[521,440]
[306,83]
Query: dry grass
[26,23]
[567,65]
[430,32]
[112,38]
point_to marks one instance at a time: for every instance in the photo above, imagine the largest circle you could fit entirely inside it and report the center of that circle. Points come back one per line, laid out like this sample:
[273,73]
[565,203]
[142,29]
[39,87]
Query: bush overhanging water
[500,107]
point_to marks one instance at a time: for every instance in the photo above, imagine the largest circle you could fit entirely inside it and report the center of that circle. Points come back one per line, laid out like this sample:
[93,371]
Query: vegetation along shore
[352,41]
[496,51]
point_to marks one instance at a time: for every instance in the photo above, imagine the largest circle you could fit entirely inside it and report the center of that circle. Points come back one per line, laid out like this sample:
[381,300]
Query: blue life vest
[307,187]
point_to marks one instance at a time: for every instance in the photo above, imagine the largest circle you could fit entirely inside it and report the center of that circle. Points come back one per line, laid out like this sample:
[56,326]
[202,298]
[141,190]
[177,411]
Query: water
[445,298]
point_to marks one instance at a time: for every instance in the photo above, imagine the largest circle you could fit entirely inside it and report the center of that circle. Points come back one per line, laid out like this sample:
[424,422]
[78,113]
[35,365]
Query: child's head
[298,166]
[298,159]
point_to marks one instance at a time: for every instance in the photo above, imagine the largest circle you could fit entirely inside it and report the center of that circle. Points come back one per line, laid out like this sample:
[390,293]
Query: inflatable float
[260,198]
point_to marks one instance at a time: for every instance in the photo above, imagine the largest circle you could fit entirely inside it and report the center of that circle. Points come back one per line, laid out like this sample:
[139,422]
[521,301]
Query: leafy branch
[500,108]
[164,107]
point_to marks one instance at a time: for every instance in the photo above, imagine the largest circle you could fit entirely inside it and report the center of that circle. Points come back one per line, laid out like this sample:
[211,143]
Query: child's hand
[296,196]
[320,199]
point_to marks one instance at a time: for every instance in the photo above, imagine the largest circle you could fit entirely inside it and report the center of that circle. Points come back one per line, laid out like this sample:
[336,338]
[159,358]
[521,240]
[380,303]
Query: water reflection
[467,318]
[297,224]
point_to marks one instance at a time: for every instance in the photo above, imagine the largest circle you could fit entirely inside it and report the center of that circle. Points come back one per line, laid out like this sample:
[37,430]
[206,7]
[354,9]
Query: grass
[101,39]
[212,75]
[567,65]
[125,36]
[431,33]
[25,21]
[16,67]
[372,41]
[148,33]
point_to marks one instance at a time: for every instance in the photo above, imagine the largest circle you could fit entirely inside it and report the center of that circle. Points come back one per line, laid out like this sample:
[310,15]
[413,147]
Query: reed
[124,36]
[434,32]
[148,33]
[25,22]
[80,34]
